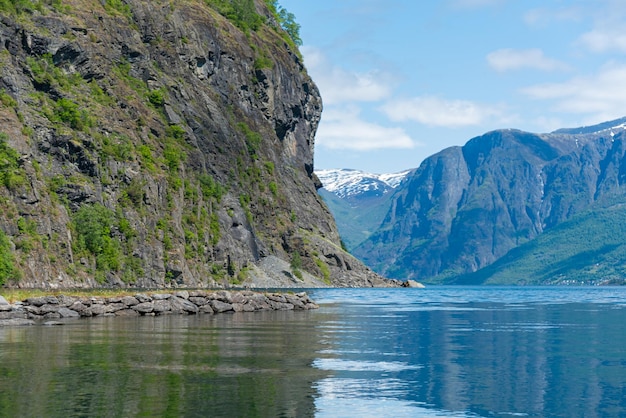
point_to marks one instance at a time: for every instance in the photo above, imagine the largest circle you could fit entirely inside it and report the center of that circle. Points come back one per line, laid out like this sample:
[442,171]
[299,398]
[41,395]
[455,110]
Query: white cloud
[607,33]
[601,96]
[543,17]
[605,39]
[338,85]
[515,59]
[434,111]
[345,129]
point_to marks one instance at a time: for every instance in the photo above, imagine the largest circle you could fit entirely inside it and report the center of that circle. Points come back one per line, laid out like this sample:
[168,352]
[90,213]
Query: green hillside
[356,220]
[587,249]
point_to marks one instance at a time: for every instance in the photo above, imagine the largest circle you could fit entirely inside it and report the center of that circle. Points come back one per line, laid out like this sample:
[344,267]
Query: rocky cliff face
[467,207]
[151,143]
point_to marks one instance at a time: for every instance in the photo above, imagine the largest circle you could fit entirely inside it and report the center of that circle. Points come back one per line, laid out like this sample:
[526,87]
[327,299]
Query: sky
[403,79]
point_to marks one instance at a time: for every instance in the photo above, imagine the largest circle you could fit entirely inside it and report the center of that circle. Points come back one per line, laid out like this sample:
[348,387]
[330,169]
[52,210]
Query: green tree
[296,264]
[286,19]
[7,267]
[11,174]
[288,22]
[93,225]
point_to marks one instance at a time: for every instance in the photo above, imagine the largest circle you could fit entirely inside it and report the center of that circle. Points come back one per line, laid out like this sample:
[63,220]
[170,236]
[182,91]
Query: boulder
[219,306]
[161,306]
[129,301]
[13,315]
[48,308]
[206,309]
[77,307]
[199,301]
[143,298]
[66,301]
[68,313]
[183,294]
[144,307]
[95,310]
[413,283]
[295,301]
[38,301]
[180,304]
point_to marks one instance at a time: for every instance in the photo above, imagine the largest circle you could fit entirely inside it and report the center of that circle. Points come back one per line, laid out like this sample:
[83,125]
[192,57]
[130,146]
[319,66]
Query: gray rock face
[466,207]
[203,156]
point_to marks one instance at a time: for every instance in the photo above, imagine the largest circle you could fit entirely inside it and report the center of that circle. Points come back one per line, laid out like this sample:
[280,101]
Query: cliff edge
[159,143]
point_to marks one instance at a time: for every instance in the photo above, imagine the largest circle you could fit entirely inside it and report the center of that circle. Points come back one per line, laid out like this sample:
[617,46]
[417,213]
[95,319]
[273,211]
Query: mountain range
[358,200]
[508,207]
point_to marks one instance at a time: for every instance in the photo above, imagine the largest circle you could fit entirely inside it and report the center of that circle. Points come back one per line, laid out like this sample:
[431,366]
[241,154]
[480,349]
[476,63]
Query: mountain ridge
[467,207]
[357,199]
[349,182]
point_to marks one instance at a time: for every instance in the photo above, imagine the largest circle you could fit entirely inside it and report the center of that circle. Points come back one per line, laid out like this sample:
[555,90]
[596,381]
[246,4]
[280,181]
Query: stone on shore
[182,302]
[219,306]
[68,313]
[144,307]
[413,283]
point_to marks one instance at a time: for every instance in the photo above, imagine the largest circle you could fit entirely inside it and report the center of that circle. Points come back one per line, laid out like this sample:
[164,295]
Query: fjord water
[435,352]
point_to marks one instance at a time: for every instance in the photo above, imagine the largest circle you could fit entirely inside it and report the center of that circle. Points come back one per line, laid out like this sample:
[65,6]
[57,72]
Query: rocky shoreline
[50,309]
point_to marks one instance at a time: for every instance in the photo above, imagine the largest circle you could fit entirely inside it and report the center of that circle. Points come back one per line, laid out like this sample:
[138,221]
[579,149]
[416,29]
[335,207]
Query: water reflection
[479,354]
[241,365]
[434,353]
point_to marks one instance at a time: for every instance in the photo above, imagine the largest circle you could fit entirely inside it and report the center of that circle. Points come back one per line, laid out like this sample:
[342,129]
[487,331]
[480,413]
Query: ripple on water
[334,364]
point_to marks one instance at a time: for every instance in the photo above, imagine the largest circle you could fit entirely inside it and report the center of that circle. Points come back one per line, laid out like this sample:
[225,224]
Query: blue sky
[403,79]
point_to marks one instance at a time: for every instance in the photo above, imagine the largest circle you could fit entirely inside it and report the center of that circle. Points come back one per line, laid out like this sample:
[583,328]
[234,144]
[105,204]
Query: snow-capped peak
[347,182]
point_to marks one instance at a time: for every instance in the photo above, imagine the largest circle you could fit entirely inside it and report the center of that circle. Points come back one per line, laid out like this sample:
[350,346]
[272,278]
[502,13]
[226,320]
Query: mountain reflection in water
[441,351]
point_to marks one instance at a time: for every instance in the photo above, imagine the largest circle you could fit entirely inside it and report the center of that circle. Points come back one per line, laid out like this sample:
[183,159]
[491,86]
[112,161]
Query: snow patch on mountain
[346,182]
[613,127]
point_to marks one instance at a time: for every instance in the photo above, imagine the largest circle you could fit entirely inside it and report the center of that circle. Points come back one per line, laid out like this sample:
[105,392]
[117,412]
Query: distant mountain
[552,202]
[358,200]
[347,183]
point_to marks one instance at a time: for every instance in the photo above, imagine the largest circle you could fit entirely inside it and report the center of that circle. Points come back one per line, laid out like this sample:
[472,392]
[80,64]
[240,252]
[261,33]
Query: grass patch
[18,295]
[11,174]
[7,260]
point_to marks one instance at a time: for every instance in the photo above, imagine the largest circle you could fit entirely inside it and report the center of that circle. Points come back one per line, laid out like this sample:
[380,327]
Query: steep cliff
[151,143]
[466,207]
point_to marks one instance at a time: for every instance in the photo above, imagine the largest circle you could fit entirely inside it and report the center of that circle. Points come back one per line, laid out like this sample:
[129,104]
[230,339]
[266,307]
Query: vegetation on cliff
[157,142]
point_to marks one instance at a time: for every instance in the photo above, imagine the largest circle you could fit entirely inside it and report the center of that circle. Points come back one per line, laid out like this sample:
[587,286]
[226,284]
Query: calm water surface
[435,352]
